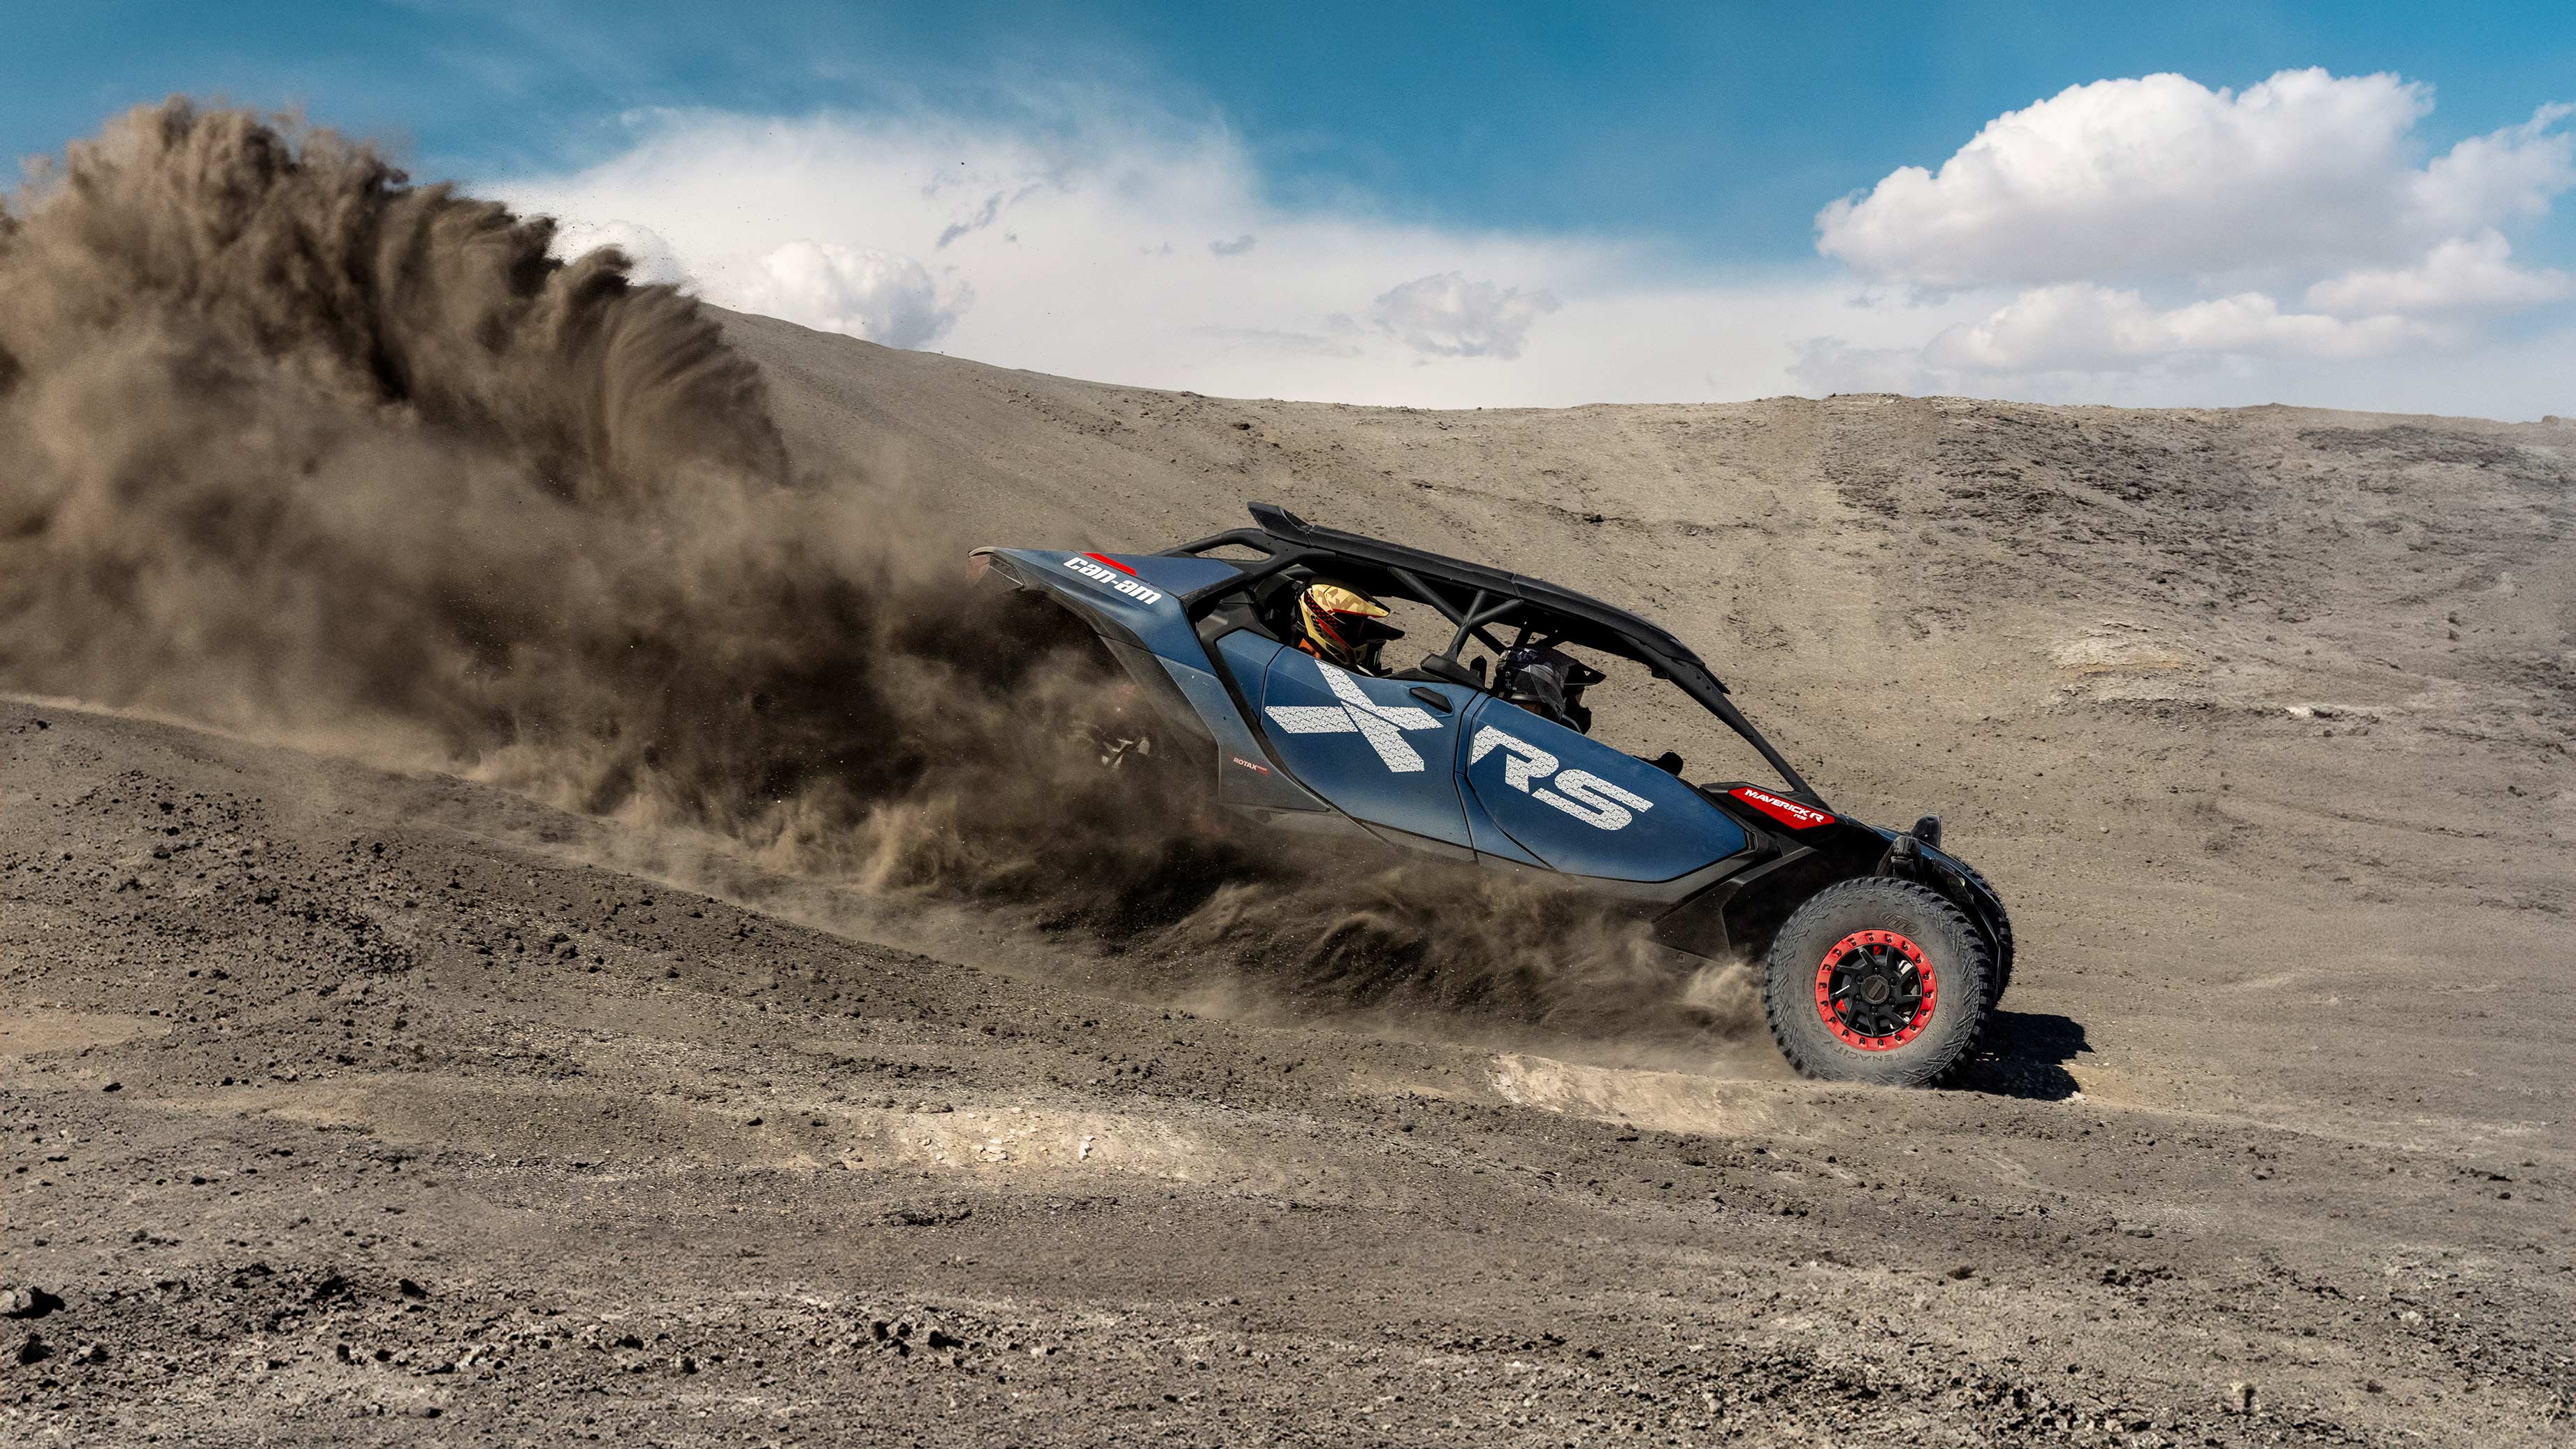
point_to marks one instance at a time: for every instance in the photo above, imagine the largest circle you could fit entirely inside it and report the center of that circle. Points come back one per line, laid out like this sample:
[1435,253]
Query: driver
[1340,625]
[1548,684]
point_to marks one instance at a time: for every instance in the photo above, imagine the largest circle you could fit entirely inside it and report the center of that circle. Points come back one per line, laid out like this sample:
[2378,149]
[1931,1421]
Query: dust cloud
[293,447]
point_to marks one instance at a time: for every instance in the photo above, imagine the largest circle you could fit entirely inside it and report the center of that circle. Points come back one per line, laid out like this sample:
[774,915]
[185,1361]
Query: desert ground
[346,1104]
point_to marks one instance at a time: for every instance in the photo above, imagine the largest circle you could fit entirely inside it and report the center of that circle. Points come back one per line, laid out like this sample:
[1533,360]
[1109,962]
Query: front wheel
[1877,980]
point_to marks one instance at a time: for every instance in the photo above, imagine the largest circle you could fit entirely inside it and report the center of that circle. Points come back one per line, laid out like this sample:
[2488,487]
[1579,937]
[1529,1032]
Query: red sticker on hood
[1787,812]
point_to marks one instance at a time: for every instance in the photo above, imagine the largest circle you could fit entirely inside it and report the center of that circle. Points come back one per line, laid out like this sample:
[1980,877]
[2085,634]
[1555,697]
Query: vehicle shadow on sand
[2024,1054]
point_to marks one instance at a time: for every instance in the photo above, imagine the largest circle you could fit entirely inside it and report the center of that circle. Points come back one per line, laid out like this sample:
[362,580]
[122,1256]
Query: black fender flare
[1739,915]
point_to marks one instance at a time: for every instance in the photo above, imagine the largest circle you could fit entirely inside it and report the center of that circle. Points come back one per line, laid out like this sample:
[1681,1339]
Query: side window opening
[1548,682]
[1238,612]
[1637,714]
[1426,631]
[1424,628]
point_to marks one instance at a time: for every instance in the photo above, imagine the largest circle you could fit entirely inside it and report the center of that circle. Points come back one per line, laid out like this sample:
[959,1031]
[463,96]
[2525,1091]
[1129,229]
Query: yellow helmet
[1339,623]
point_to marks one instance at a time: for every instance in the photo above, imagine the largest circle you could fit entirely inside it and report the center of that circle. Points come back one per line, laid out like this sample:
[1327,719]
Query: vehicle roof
[1648,642]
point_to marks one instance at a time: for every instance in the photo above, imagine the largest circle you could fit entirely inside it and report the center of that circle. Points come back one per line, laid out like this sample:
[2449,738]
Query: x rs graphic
[1382,725]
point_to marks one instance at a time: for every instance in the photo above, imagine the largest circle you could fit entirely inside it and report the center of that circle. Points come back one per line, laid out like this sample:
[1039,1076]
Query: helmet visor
[1344,625]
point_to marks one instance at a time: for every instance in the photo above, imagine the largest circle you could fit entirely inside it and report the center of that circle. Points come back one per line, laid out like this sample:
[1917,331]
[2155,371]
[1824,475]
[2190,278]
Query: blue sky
[1670,156]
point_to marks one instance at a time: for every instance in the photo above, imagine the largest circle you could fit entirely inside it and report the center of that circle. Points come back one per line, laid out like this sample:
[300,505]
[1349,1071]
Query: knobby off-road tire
[1877,980]
[2000,980]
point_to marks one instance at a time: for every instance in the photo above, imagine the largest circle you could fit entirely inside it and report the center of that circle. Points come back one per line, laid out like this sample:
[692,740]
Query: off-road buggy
[1882,954]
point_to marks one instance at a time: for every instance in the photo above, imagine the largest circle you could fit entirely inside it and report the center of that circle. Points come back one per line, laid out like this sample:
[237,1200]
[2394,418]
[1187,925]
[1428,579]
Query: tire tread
[2003,964]
[1977,957]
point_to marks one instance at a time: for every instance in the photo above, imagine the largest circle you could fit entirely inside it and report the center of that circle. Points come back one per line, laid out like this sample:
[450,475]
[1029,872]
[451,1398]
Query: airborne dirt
[347,1105]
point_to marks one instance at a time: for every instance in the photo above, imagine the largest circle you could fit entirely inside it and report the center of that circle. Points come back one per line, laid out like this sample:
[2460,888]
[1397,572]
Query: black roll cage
[1493,596]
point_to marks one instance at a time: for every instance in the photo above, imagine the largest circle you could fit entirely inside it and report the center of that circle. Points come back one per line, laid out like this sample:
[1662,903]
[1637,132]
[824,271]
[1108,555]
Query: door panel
[1583,807]
[1374,747]
[1246,656]
[1243,775]
[1491,839]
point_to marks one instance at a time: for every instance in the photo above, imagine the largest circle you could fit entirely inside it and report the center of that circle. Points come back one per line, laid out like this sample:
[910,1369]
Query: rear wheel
[1877,980]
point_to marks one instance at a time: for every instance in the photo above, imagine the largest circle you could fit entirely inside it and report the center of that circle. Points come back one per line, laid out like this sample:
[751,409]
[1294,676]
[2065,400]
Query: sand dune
[339,1099]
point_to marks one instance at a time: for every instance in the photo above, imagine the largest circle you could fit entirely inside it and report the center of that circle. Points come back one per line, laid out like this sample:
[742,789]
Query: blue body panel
[1582,807]
[1369,746]
[1175,575]
[1143,600]
[1138,594]
[1246,656]
[1482,775]
[1488,837]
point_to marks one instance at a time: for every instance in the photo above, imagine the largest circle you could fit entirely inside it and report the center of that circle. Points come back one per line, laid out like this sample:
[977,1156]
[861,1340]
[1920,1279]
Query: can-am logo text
[1099,574]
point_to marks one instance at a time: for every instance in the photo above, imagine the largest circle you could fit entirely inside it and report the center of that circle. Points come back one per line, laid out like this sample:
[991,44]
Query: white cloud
[983,217]
[2078,325]
[1105,242]
[834,288]
[1449,316]
[2473,273]
[2123,179]
[1097,238]
[649,257]
[824,285]
[1831,365]
[2506,175]
[2140,234]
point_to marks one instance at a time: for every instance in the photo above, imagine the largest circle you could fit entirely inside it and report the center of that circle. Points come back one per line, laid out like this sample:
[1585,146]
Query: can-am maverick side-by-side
[1883,954]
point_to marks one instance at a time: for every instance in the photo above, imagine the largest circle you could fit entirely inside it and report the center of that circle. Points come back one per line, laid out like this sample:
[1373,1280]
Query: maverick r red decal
[1787,812]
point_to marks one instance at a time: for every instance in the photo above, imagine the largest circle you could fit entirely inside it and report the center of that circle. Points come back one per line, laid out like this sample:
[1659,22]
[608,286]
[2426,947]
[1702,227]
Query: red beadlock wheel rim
[1875,990]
